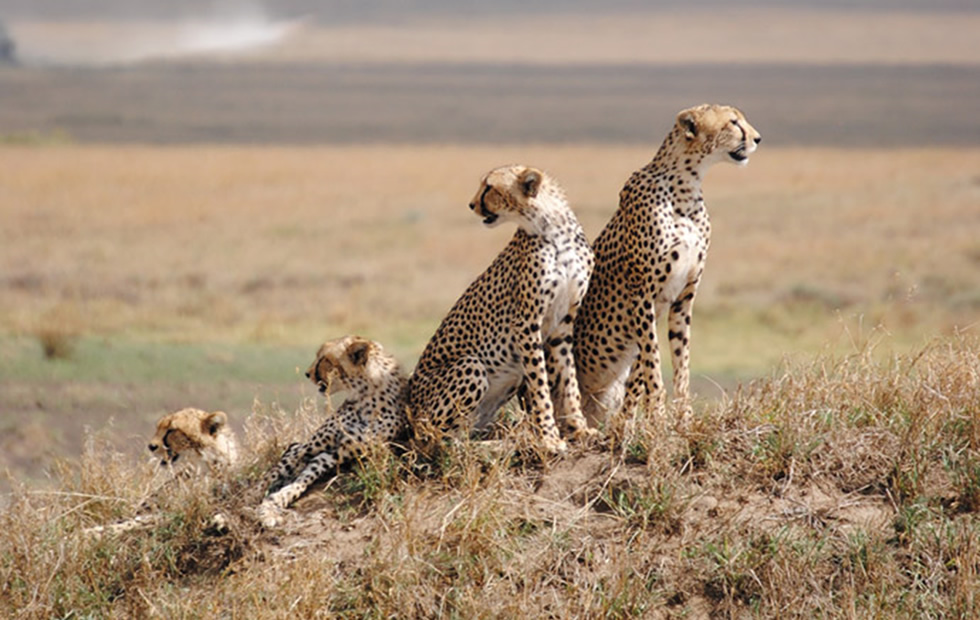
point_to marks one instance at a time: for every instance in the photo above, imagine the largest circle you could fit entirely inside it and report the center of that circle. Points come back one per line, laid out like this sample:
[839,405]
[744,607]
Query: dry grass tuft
[55,343]
[57,331]
[846,486]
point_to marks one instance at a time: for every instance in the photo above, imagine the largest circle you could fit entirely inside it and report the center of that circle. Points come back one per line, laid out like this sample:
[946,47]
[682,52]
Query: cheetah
[199,437]
[190,442]
[375,410]
[649,259]
[512,328]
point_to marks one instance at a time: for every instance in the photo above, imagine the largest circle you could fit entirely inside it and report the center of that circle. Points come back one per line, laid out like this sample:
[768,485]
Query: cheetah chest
[562,284]
[689,247]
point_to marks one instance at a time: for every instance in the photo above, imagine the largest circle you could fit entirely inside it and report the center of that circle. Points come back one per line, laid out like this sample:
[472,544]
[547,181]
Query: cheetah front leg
[679,336]
[563,379]
[644,387]
[538,394]
[294,457]
[270,511]
[300,461]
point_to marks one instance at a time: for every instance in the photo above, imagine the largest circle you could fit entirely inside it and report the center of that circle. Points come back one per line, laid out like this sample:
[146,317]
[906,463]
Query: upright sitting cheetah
[375,410]
[513,325]
[197,436]
[649,258]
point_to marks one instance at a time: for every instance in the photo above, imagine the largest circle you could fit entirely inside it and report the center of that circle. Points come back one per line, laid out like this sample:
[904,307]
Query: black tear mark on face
[489,216]
[690,127]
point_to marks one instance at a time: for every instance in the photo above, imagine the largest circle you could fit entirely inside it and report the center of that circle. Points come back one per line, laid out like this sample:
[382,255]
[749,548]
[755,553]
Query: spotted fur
[512,328]
[375,410]
[649,261]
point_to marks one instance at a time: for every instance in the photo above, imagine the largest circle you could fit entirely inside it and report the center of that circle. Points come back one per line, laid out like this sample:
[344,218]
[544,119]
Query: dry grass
[57,332]
[845,486]
[275,244]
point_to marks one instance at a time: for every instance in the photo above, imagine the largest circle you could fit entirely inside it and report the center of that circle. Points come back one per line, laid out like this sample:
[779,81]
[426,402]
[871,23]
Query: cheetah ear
[213,422]
[686,121]
[530,181]
[357,353]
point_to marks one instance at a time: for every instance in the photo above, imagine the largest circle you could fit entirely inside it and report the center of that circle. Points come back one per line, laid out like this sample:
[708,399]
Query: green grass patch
[121,359]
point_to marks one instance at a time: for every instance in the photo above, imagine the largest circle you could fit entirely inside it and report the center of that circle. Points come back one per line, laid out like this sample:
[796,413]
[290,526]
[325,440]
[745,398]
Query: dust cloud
[223,29]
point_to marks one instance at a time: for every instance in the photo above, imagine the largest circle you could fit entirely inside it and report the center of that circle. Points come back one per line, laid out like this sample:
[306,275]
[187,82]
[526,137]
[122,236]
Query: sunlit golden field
[210,275]
[157,278]
[174,233]
[289,245]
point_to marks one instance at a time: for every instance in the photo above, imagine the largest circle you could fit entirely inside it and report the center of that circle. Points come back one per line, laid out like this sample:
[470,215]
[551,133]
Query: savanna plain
[832,465]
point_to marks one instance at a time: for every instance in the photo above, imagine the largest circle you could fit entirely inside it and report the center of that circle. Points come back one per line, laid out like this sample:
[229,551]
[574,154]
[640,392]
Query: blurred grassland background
[194,195]
[185,219]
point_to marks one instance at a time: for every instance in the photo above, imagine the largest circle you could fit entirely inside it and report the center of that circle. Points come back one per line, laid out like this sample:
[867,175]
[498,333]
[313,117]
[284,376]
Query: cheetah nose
[153,447]
[307,375]
[758,139]
[472,206]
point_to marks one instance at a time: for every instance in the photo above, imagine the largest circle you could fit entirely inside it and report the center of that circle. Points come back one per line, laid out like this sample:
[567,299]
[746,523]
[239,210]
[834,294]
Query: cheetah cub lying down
[649,261]
[512,328]
[195,442]
[375,410]
[196,437]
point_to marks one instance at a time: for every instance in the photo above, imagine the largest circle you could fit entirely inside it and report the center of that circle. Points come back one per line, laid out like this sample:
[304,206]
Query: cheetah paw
[585,434]
[218,523]
[555,446]
[684,413]
[270,515]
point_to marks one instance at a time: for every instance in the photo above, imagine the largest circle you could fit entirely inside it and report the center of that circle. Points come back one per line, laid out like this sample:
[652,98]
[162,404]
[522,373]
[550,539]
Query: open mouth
[738,154]
[490,218]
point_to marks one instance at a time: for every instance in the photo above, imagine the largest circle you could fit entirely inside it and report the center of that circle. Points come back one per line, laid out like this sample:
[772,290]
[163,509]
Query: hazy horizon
[331,11]
[871,73]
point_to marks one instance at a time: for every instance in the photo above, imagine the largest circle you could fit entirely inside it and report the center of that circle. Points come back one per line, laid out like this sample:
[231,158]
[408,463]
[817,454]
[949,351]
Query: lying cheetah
[375,410]
[197,441]
[512,328]
[197,436]
[649,259]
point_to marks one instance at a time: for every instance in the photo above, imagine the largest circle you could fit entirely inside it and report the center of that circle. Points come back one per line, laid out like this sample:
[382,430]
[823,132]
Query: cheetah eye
[734,121]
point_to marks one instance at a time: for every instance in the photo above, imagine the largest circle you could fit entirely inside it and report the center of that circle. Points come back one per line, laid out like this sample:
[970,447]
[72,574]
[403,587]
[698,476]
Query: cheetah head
[505,194]
[338,362]
[195,434]
[718,133]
